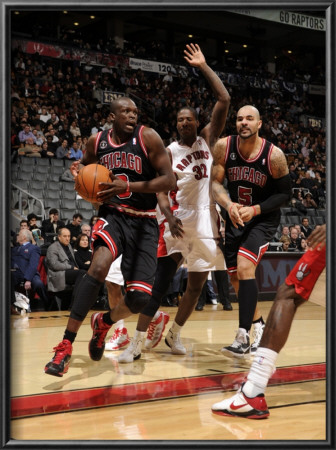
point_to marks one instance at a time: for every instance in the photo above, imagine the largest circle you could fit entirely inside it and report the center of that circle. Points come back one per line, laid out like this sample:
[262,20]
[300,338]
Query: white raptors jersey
[195,205]
[192,165]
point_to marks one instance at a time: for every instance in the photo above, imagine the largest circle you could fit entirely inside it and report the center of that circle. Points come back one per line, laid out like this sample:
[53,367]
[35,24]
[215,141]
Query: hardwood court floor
[162,396]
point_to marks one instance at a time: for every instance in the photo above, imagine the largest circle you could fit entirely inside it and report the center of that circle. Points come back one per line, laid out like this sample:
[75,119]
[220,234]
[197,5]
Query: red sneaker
[97,342]
[60,362]
[241,406]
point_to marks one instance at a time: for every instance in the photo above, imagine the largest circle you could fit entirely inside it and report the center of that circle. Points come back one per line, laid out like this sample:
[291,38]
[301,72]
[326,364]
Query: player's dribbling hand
[193,55]
[234,214]
[109,190]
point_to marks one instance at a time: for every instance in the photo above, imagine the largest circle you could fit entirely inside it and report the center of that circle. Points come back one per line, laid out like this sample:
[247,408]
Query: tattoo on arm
[279,164]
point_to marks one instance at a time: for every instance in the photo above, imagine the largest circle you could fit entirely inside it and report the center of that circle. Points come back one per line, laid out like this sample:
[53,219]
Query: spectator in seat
[308,201]
[26,133]
[285,240]
[75,227]
[30,149]
[75,152]
[62,268]
[51,225]
[25,259]
[47,151]
[295,241]
[307,182]
[297,202]
[83,254]
[305,227]
[74,129]
[86,229]
[63,151]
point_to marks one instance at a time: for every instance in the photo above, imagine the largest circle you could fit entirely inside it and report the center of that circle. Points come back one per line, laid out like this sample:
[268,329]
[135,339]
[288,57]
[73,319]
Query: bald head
[121,101]
[249,110]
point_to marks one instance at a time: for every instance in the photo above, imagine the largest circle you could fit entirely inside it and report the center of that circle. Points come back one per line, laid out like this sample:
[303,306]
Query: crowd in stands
[53,100]
[55,107]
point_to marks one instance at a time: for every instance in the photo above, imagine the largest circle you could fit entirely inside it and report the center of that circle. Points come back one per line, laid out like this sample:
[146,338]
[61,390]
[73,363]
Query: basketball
[88,179]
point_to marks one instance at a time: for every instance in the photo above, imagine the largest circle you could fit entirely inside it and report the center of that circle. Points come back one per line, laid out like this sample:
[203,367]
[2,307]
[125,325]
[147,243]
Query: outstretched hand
[194,55]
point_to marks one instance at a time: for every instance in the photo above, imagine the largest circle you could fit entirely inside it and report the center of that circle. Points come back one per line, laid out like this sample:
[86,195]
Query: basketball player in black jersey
[258,183]
[127,225]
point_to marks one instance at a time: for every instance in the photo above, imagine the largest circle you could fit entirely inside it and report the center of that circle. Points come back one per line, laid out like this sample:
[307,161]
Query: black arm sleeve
[284,194]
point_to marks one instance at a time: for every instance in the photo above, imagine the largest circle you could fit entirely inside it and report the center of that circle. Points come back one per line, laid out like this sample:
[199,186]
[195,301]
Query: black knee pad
[136,300]
[85,295]
[153,305]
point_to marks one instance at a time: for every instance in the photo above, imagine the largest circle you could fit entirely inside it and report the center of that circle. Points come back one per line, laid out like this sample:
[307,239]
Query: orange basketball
[86,182]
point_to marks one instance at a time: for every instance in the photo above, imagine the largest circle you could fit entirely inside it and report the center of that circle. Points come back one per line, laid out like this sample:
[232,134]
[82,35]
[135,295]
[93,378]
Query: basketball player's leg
[205,255]
[106,249]
[85,295]
[120,337]
[299,284]
[151,318]
[87,290]
[189,299]
[114,293]
[243,251]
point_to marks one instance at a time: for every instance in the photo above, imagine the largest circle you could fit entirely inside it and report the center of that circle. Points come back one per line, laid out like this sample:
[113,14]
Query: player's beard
[247,137]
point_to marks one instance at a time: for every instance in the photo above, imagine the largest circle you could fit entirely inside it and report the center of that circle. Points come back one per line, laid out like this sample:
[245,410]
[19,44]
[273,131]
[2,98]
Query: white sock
[261,370]
[139,335]
[156,315]
[176,328]
[119,324]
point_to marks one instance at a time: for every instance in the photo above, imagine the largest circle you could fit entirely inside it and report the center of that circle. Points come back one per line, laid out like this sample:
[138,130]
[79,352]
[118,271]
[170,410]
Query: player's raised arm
[212,131]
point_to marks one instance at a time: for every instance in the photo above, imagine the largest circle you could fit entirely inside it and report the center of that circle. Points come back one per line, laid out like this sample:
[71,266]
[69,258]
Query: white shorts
[115,275]
[199,245]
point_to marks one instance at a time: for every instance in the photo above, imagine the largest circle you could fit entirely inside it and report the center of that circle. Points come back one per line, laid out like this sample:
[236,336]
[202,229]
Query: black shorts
[250,241]
[136,239]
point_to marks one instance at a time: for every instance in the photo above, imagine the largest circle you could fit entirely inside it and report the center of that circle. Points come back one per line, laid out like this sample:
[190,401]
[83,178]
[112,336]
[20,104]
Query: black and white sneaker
[240,346]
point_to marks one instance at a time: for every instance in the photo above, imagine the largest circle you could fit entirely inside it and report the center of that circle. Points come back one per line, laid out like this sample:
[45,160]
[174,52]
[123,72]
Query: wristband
[128,187]
[254,209]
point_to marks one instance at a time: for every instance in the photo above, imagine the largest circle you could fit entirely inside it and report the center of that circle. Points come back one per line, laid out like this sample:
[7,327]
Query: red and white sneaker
[155,330]
[119,339]
[59,364]
[97,342]
[241,406]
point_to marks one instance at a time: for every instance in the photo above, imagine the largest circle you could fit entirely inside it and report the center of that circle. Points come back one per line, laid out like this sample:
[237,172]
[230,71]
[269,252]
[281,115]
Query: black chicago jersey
[250,182]
[130,162]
